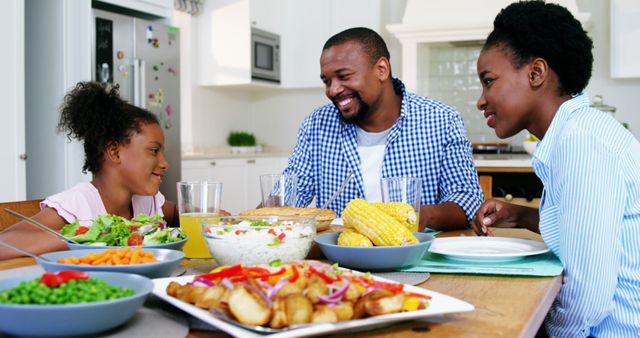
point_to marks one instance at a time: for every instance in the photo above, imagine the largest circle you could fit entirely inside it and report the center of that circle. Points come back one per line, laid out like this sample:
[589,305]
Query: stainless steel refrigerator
[143,57]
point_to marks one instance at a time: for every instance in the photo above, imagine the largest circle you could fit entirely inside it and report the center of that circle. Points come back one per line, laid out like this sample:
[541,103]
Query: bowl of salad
[258,240]
[115,231]
[70,303]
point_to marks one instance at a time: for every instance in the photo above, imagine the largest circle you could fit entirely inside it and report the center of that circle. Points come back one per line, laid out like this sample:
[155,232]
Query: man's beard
[363,111]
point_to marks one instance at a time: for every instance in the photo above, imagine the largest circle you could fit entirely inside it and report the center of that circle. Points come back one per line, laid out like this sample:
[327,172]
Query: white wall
[620,93]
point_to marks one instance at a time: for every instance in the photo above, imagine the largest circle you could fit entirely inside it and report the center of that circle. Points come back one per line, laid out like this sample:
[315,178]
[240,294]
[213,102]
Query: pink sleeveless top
[83,202]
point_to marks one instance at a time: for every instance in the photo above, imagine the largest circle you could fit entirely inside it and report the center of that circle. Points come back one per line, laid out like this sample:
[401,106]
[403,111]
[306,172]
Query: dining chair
[27,208]
[486,183]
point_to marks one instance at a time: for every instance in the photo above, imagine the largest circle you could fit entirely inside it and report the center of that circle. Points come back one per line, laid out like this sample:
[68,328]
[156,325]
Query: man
[375,129]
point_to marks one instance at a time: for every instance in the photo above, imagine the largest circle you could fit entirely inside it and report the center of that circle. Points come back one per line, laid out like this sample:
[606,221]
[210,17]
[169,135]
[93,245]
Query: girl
[124,150]
[533,68]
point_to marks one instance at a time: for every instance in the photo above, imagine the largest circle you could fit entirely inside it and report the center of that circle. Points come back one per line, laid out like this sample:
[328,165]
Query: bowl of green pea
[70,303]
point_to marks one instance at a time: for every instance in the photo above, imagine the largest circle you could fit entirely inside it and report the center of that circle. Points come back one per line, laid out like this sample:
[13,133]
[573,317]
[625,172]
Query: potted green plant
[241,142]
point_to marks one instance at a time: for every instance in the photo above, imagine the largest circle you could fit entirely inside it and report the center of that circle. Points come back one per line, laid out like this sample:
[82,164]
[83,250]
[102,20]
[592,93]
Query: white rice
[259,245]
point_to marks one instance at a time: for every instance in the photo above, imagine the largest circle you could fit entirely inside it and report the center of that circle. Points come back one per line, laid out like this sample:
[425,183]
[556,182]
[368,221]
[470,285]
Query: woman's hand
[495,213]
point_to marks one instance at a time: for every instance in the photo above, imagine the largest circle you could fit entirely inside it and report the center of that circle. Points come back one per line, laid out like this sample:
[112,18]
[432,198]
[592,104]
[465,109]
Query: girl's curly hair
[530,29]
[95,114]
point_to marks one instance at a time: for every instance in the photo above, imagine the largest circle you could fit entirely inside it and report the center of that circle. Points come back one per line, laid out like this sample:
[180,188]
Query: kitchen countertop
[480,160]
[225,153]
[502,160]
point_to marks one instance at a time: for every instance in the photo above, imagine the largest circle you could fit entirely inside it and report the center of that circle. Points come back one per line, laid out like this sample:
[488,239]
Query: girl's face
[142,160]
[507,96]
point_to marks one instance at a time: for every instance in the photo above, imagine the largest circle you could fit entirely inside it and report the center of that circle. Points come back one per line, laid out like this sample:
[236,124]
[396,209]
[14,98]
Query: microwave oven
[265,55]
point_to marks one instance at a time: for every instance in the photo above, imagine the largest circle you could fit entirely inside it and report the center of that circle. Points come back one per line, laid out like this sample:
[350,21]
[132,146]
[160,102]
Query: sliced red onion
[335,297]
[227,283]
[145,228]
[204,281]
[274,290]
[260,293]
[371,288]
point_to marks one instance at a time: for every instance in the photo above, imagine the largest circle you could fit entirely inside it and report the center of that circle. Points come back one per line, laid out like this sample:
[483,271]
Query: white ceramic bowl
[530,146]
[233,240]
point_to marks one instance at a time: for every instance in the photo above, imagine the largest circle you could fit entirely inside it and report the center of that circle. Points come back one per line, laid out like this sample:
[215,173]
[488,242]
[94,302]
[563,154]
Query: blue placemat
[540,265]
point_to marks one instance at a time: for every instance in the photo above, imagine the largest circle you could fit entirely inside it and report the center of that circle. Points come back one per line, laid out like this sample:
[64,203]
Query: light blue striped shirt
[590,218]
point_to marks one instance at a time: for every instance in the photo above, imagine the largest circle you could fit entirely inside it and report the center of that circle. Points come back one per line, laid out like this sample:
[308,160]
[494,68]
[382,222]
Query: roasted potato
[299,309]
[384,305]
[247,307]
[344,311]
[210,298]
[324,314]
[316,287]
[279,318]
[359,308]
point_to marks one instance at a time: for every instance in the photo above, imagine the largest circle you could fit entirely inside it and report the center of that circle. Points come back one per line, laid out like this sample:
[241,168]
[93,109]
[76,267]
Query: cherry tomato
[81,230]
[68,275]
[51,279]
[135,239]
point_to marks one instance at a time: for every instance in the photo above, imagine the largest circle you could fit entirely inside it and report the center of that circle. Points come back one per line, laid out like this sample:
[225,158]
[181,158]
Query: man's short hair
[372,43]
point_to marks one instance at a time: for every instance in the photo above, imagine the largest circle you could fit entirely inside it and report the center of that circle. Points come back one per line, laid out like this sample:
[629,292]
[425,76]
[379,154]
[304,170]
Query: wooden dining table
[505,306]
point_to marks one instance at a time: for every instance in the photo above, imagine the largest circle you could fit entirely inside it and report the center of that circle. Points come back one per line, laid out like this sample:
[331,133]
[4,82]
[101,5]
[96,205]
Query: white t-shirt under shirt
[371,150]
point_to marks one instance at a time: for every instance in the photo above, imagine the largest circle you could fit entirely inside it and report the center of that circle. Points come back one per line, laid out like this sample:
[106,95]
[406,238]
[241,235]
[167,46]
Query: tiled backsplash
[447,73]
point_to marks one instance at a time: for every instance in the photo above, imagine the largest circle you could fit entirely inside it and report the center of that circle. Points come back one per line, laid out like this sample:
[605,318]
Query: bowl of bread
[323,221]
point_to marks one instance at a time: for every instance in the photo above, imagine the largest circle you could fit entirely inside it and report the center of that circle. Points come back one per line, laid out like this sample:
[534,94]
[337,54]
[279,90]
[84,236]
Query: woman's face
[142,160]
[507,95]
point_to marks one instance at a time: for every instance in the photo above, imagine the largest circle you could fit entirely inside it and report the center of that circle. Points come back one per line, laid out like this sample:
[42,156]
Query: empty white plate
[487,249]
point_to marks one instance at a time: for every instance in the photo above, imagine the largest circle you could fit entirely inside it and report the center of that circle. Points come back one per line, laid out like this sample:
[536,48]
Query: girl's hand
[496,214]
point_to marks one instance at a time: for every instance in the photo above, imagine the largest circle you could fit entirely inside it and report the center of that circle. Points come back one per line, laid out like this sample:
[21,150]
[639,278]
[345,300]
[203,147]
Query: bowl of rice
[254,240]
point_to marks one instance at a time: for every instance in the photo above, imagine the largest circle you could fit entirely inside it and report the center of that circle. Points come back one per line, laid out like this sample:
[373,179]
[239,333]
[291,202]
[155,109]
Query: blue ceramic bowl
[173,245]
[168,261]
[376,258]
[74,319]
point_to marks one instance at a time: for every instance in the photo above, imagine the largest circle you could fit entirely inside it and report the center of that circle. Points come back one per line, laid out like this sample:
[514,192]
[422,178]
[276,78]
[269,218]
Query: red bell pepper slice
[295,276]
[393,287]
[231,271]
[322,275]
[270,274]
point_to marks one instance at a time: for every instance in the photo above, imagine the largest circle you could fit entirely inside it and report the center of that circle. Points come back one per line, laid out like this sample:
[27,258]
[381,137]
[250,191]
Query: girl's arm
[170,211]
[30,238]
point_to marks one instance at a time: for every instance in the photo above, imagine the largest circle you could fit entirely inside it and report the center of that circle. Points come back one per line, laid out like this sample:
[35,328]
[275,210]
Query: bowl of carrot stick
[152,263]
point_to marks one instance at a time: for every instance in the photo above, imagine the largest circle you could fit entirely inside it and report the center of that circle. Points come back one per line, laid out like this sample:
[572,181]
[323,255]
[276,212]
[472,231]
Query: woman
[533,68]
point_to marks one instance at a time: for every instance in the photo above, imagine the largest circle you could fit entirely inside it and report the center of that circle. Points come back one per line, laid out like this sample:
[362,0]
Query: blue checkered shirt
[427,141]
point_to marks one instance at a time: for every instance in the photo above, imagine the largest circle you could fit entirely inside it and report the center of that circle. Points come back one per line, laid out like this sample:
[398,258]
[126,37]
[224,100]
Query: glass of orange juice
[197,201]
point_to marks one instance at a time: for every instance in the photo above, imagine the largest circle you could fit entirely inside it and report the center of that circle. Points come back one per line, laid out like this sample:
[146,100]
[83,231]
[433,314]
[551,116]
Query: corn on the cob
[402,212]
[382,229]
[350,237]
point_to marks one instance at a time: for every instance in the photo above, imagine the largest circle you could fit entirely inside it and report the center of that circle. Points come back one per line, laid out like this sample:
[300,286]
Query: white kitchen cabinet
[224,33]
[239,177]
[159,8]
[224,39]
[625,29]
